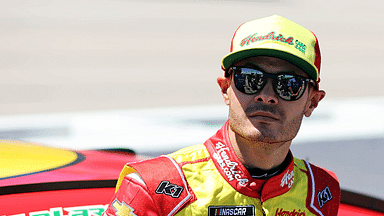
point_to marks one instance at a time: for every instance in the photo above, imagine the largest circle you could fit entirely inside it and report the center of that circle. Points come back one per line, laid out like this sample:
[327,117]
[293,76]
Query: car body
[47,181]
[39,180]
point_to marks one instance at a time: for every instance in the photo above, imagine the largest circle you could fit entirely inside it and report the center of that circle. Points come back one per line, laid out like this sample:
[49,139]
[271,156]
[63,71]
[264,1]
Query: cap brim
[231,58]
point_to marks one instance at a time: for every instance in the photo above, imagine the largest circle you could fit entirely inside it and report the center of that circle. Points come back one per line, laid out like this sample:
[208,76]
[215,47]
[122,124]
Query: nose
[267,95]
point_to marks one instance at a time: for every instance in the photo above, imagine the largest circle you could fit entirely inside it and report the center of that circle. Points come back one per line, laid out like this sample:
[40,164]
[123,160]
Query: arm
[153,187]
[324,191]
[131,199]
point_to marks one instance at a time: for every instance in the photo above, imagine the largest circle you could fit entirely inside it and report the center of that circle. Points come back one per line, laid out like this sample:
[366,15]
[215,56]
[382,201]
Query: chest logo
[169,189]
[231,210]
[288,179]
[282,212]
[230,168]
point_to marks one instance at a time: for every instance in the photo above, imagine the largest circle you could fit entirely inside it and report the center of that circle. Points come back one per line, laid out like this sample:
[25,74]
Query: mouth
[264,116]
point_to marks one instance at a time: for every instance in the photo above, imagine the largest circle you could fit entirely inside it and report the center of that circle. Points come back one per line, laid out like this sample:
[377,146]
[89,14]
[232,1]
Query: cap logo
[271,36]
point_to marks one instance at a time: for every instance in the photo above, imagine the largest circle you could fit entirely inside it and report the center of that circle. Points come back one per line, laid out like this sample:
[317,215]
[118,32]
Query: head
[268,90]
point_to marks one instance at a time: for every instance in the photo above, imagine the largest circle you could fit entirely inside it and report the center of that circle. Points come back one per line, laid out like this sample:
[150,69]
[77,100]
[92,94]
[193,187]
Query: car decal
[20,159]
[62,185]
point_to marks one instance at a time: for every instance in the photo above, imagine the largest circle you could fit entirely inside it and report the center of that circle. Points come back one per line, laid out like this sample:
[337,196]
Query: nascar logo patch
[231,210]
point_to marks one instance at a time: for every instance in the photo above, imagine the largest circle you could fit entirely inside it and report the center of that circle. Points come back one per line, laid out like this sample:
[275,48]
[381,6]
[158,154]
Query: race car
[38,180]
[46,181]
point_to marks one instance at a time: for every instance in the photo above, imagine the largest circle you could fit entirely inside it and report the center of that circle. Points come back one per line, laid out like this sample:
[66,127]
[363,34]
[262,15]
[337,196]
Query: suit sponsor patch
[231,210]
[324,196]
[294,212]
[165,187]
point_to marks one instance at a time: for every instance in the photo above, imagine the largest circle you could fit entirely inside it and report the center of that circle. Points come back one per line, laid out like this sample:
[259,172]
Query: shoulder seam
[313,187]
[144,188]
[136,177]
[195,161]
[302,170]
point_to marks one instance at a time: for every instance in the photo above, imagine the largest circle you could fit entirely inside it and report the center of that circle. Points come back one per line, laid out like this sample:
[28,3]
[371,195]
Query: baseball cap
[279,37]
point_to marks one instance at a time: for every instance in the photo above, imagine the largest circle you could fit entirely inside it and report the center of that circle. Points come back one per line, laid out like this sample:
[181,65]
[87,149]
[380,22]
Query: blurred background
[142,74]
[76,55]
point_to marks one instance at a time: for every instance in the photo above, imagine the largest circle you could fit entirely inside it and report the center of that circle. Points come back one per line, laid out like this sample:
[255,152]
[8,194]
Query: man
[271,81]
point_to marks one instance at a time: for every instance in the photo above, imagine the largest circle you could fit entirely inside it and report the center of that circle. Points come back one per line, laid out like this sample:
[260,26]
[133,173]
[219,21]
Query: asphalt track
[77,55]
[90,74]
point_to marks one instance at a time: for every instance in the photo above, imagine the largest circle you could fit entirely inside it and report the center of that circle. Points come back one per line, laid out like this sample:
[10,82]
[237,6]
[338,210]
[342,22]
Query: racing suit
[209,179]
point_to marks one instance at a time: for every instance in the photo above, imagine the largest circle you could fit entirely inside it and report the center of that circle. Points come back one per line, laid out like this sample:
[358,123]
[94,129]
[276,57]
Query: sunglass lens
[251,81]
[248,81]
[290,87]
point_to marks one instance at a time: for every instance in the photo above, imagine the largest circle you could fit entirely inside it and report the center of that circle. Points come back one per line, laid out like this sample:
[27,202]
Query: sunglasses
[250,81]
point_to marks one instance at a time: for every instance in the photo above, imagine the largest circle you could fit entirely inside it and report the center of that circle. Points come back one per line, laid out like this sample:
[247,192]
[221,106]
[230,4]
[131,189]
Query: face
[264,117]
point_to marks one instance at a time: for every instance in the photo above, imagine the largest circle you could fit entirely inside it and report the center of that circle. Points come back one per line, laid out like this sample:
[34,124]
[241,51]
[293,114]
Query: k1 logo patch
[231,210]
[169,189]
[324,196]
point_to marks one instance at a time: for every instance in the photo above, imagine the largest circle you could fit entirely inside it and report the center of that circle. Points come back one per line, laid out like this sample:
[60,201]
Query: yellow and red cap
[278,37]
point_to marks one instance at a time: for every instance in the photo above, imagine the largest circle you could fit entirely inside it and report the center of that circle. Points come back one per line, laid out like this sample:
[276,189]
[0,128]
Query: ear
[224,84]
[315,97]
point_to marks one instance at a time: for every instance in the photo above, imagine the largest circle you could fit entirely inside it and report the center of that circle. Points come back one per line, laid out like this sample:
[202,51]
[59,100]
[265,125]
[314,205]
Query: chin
[266,136]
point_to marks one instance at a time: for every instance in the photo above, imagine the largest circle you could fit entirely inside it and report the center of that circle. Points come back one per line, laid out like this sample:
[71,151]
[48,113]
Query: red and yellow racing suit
[208,179]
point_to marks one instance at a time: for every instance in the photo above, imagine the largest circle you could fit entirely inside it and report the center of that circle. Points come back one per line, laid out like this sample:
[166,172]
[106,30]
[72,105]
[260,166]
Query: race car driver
[271,82]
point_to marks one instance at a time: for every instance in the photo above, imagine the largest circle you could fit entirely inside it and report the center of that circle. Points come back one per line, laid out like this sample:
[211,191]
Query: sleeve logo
[324,196]
[122,209]
[169,189]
